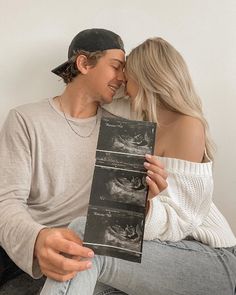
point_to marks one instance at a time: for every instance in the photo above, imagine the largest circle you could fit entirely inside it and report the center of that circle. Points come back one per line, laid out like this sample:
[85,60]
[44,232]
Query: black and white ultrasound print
[118,160]
[116,212]
[116,233]
[120,135]
[119,188]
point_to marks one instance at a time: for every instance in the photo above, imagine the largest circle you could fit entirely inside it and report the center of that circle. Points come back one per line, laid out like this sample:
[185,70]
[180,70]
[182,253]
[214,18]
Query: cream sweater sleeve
[176,212]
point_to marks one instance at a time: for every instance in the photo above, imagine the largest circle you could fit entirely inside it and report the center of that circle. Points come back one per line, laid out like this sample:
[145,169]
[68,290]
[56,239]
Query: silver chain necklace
[72,128]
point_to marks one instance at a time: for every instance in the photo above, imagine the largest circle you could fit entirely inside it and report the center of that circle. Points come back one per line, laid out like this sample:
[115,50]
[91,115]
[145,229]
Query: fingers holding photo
[156,175]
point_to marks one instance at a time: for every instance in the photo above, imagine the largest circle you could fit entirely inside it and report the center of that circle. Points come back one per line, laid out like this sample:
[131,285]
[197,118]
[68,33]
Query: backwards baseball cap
[90,40]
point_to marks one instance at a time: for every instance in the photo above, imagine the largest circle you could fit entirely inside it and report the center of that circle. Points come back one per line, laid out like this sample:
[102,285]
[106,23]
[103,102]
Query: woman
[189,247]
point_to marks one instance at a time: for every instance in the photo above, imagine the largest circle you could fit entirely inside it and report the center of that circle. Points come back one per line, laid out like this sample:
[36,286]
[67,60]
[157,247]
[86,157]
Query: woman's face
[131,86]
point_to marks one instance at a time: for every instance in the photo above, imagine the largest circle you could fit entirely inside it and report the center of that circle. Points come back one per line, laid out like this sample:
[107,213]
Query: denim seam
[228,270]
[189,249]
[65,288]
[107,292]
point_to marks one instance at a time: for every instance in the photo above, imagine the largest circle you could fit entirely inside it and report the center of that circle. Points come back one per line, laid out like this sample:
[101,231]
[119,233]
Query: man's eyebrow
[120,61]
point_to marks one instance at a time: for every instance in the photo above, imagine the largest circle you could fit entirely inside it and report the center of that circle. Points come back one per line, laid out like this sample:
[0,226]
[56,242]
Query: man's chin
[107,100]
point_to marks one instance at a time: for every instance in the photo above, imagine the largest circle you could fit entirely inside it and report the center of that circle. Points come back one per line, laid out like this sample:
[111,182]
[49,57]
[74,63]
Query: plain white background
[34,37]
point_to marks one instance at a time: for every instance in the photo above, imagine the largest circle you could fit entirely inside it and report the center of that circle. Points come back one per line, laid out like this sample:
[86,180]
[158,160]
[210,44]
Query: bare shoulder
[189,127]
[186,139]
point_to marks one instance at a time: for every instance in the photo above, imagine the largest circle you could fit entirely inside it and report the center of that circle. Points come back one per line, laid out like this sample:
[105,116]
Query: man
[47,154]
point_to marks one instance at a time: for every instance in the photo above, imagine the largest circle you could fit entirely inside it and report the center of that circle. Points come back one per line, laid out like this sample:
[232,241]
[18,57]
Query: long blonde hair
[164,80]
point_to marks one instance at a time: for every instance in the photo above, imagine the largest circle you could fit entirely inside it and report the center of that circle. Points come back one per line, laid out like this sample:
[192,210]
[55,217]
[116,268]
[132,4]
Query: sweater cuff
[156,220]
[33,266]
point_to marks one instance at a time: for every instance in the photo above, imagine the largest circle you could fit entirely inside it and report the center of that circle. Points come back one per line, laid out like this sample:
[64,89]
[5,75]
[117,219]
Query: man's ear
[82,64]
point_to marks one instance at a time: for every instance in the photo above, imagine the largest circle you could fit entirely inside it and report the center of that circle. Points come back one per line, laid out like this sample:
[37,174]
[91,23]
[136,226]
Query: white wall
[34,37]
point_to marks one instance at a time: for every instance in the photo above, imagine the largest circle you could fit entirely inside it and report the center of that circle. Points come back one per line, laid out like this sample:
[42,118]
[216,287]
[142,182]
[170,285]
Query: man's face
[107,76]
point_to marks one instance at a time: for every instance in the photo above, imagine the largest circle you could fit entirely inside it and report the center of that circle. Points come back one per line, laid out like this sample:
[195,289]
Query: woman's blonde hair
[164,80]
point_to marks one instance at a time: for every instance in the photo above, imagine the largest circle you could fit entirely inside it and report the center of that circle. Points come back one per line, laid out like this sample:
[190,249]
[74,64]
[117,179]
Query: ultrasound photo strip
[116,213]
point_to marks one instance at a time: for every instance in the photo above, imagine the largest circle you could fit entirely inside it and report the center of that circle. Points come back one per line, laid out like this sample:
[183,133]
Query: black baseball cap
[91,40]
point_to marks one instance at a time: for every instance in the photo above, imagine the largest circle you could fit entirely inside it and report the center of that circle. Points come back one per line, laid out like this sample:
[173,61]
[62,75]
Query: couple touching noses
[53,144]
[182,219]
[93,74]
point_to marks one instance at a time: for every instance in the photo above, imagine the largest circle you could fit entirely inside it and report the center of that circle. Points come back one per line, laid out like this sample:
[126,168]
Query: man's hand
[59,252]
[157,176]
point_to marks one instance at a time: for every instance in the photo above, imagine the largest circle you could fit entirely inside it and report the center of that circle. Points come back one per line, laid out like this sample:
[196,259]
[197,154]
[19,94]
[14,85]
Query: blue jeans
[187,267]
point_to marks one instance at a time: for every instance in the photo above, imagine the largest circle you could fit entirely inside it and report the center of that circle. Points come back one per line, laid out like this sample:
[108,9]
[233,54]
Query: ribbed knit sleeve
[215,230]
[177,211]
[185,208]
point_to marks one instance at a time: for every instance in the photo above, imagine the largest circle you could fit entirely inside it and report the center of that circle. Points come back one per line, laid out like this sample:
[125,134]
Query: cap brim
[60,69]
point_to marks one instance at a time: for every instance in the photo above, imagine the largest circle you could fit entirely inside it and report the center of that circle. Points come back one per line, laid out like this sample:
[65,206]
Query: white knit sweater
[185,207]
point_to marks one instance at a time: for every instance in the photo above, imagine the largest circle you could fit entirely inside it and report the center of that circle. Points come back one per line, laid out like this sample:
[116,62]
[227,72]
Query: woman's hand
[156,175]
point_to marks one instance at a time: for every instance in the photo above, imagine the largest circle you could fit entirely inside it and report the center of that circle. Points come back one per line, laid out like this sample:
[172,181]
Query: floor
[22,285]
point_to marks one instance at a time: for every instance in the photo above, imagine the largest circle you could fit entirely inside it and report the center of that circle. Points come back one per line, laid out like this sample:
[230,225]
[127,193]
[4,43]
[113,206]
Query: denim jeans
[187,267]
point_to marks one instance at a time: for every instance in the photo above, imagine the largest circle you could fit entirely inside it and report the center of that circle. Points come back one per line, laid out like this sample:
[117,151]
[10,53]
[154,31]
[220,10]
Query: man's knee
[78,225]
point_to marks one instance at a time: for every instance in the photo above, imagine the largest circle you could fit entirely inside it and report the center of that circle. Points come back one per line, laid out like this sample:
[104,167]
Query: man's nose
[121,77]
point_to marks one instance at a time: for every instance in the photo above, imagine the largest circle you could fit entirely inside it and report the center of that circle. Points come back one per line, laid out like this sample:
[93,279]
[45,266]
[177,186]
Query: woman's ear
[82,64]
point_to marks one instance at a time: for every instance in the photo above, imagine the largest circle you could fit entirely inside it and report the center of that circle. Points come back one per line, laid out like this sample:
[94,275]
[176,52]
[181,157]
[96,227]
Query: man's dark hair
[72,71]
